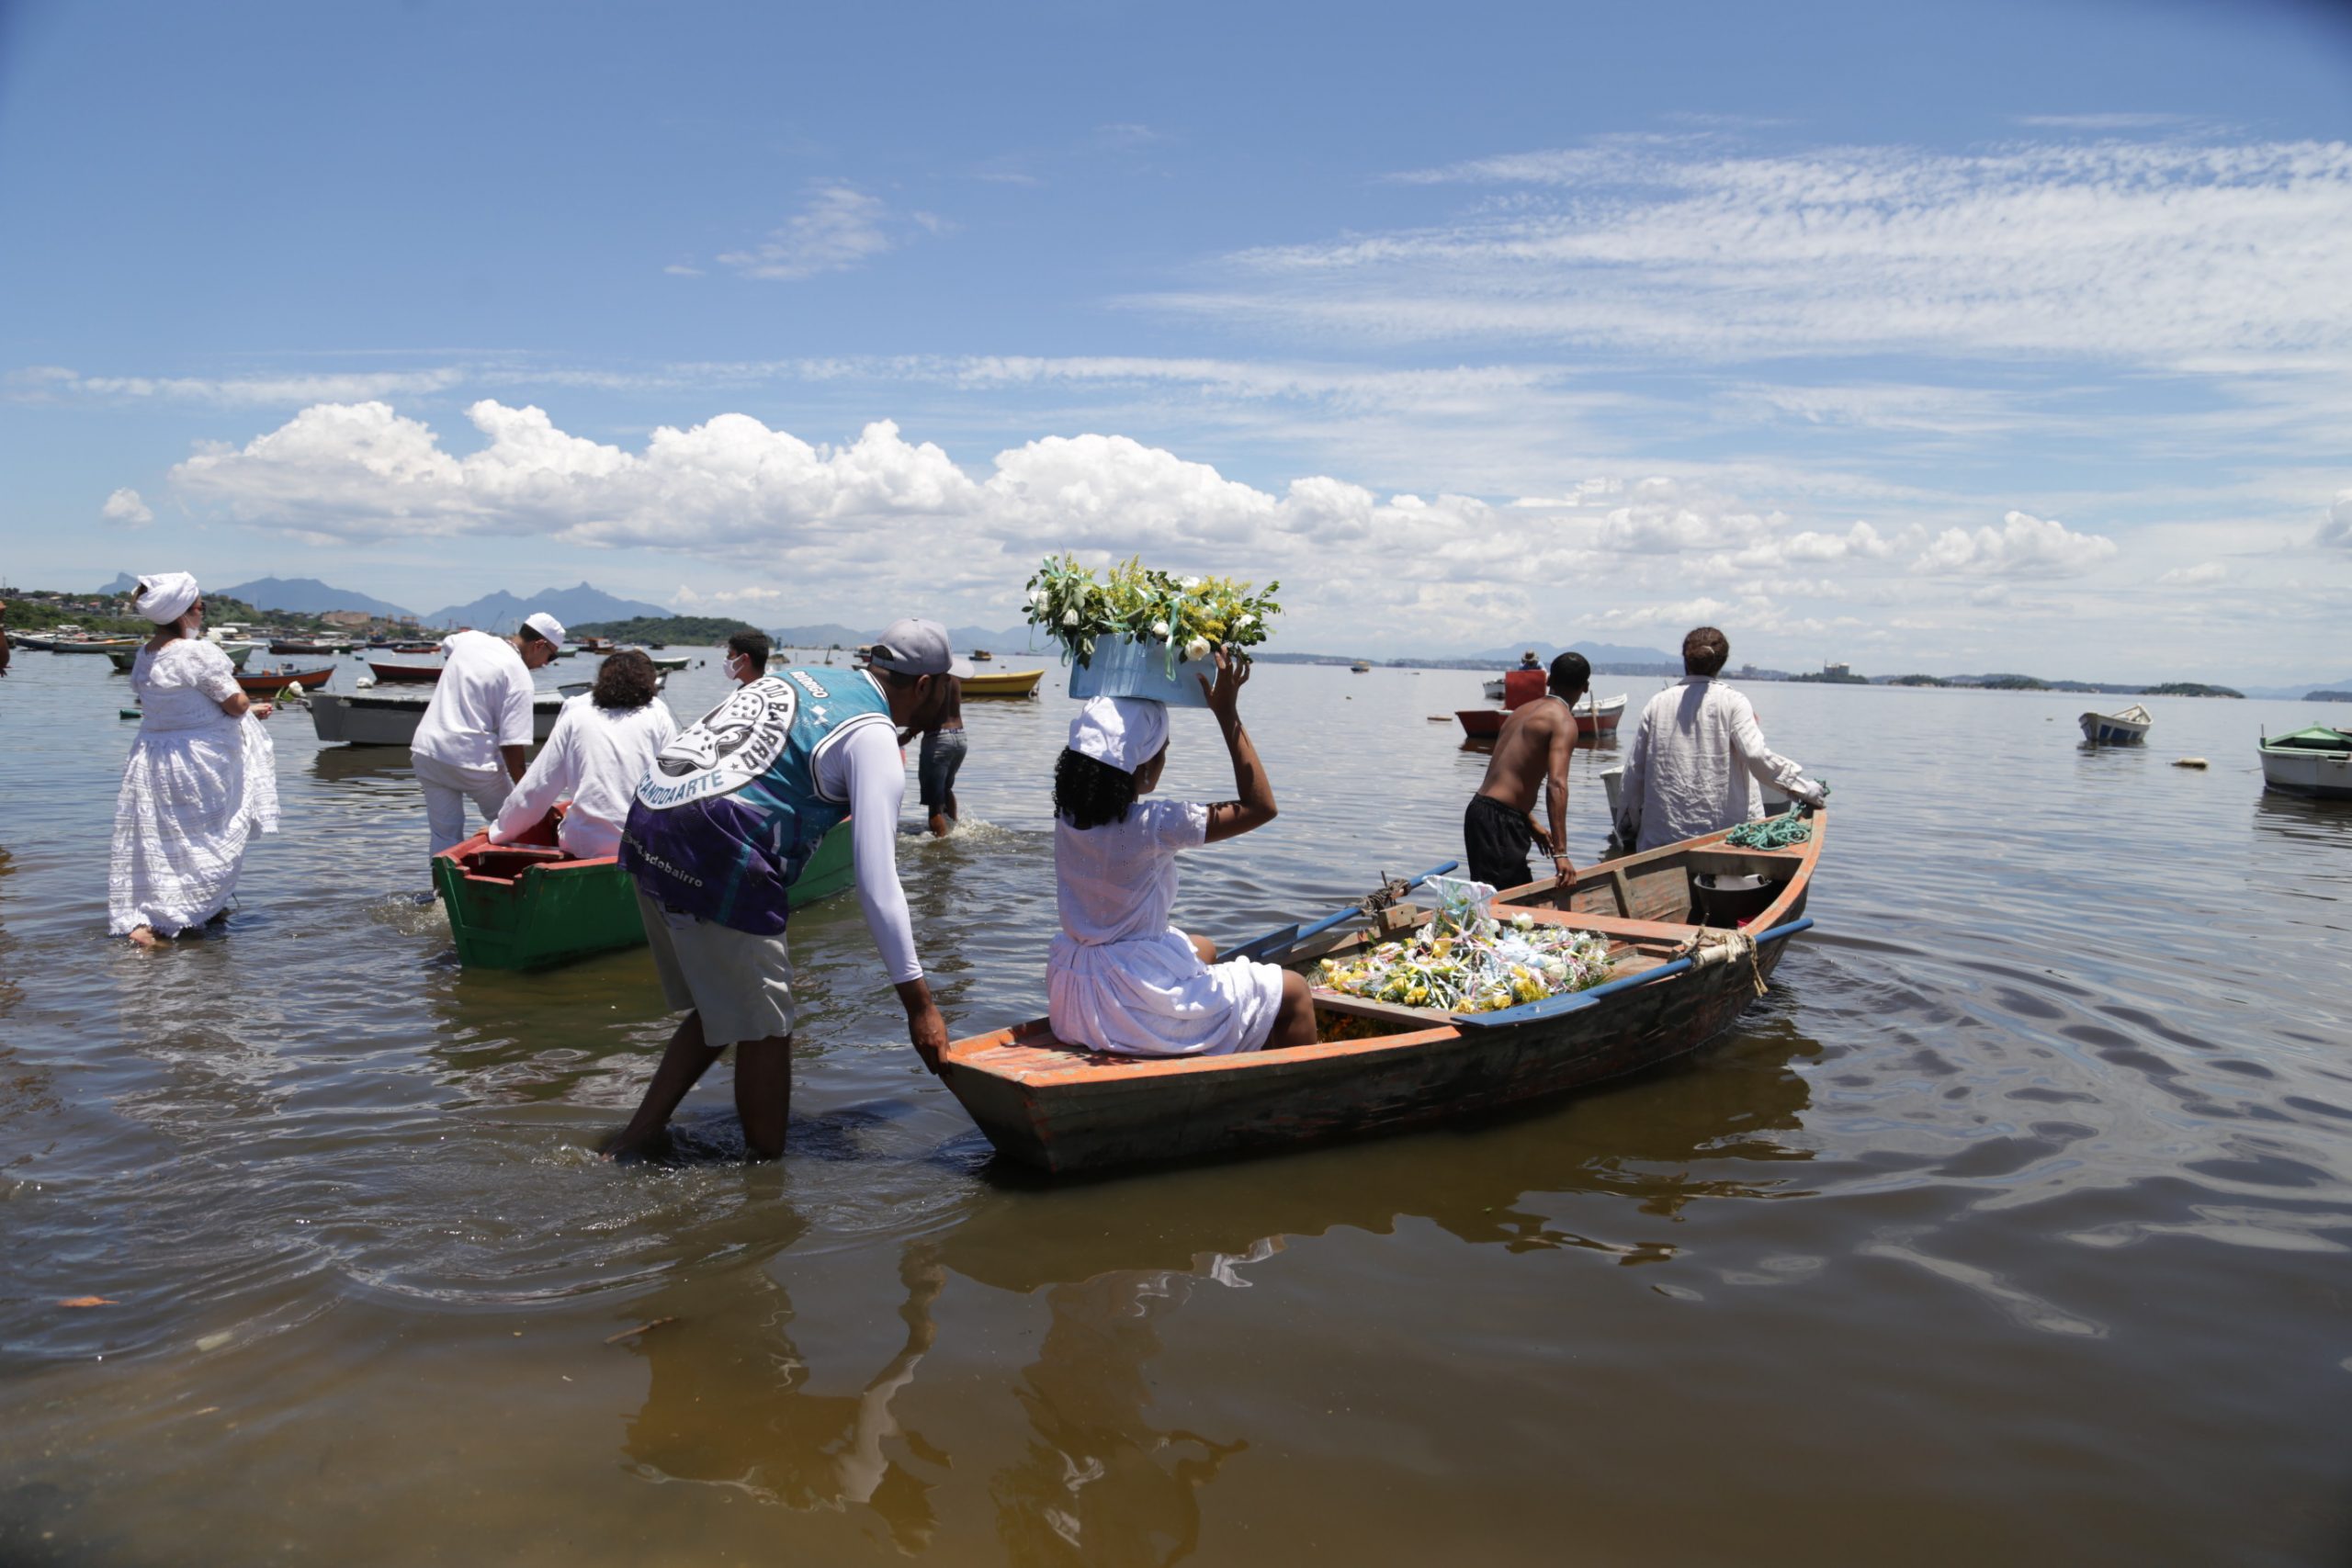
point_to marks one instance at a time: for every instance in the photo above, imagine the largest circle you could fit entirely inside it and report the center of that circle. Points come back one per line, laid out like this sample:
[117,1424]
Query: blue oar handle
[1576,1001]
[1281,938]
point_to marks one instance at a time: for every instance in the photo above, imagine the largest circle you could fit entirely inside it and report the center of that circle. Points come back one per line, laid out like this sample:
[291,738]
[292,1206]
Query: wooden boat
[1593,718]
[270,682]
[1358,668]
[1064,1109]
[1003,683]
[982,656]
[95,644]
[2316,763]
[2128,728]
[1492,690]
[396,674]
[671,663]
[529,905]
[389,718]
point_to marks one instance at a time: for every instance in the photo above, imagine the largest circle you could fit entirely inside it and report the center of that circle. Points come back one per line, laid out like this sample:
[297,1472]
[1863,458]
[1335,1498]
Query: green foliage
[2191,689]
[688,631]
[1187,615]
[1918,681]
[2014,684]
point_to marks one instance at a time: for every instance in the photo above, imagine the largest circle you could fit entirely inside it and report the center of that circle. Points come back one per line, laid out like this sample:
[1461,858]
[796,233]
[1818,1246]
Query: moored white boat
[2314,763]
[378,718]
[2126,727]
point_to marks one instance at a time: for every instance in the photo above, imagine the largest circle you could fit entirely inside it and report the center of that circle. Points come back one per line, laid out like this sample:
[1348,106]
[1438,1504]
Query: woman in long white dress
[200,780]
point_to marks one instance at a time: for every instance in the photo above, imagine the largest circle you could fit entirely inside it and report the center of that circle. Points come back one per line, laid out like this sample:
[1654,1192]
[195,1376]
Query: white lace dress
[197,784]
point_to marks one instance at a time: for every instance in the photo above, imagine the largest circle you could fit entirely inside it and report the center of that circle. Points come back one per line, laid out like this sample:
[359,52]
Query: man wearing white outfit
[1698,754]
[476,733]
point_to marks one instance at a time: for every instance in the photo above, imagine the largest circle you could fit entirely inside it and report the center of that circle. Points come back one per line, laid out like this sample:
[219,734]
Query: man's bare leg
[763,1092]
[682,1064]
[942,825]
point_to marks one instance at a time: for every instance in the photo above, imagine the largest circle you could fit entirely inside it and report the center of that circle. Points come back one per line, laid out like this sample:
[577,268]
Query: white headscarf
[1120,732]
[164,596]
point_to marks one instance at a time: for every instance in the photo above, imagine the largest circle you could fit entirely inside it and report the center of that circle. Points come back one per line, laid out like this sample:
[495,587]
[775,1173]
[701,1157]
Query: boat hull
[389,718]
[270,682]
[404,675]
[511,910]
[1066,1110]
[2100,729]
[1003,683]
[1485,724]
[2316,775]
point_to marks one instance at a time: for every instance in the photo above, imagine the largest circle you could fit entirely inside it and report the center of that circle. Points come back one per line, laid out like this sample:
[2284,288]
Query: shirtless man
[1532,748]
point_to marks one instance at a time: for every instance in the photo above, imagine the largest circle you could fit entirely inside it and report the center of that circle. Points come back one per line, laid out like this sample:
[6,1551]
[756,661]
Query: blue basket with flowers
[1136,632]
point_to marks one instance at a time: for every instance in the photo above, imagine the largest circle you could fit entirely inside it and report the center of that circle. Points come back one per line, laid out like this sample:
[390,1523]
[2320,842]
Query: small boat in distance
[981,656]
[394,675]
[270,682]
[1593,718]
[2127,727]
[1359,668]
[2314,763]
[238,652]
[380,717]
[1004,684]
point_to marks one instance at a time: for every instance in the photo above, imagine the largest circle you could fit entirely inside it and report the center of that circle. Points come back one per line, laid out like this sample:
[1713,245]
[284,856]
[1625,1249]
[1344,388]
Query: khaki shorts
[740,983]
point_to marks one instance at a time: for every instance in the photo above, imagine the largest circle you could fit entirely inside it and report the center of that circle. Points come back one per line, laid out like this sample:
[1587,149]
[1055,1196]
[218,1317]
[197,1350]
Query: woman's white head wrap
[164,596]
[1120,732]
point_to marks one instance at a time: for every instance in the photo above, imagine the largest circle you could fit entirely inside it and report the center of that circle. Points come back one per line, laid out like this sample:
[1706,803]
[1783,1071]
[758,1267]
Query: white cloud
[51,383]
[840,227]
[2336,532]
[2201,575]
[1667,245]
[124,506]
[2023,545]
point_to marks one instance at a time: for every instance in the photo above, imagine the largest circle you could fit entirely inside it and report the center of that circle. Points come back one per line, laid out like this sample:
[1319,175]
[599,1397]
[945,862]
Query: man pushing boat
[1532,750]
[721,828]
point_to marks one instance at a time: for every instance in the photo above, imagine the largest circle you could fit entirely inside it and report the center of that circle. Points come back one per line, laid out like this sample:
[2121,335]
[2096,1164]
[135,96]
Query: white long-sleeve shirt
[1697,754]
[863,767]
[595,758]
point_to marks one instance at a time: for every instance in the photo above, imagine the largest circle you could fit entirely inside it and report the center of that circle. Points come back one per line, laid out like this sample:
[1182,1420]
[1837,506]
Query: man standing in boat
[1532,749]
[1697,755]
[475,737]
[722,828]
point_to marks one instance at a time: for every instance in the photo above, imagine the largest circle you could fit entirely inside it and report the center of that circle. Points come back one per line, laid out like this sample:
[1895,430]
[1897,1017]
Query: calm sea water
[2012,1225]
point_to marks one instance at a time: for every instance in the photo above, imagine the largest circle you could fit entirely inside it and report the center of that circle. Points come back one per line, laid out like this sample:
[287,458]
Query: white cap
[547,626]
[1120,732]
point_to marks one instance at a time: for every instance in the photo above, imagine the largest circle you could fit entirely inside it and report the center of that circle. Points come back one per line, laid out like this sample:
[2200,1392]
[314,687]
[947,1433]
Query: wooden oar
[1553,1007]
[1268,948]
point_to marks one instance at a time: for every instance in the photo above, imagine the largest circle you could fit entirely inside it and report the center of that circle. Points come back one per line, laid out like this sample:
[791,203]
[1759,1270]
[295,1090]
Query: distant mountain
[123,583]
[503,612]
[309,597]
[1598,652]
[2294,693]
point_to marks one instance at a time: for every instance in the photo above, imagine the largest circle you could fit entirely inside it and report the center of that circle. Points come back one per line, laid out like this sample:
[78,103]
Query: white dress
[195,785]
[1119,978]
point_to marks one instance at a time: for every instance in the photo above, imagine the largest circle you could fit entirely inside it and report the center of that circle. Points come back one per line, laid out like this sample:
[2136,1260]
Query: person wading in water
[1532,749]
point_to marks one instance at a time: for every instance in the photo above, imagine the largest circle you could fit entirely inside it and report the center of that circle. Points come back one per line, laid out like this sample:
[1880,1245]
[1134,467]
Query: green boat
[528,905]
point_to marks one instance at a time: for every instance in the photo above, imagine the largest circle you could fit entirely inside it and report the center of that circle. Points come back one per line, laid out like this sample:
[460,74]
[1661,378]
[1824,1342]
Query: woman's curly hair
[626,679]
[1087,794]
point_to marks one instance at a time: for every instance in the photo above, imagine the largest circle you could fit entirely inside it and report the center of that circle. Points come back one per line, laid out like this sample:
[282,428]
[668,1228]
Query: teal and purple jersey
[732,811]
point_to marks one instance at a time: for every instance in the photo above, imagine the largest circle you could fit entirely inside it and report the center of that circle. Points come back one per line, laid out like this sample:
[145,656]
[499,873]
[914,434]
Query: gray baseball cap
[914,647]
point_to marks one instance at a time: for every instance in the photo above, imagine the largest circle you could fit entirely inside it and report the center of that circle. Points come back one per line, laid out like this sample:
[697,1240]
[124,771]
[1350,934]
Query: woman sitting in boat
[1121,978]
[602,746]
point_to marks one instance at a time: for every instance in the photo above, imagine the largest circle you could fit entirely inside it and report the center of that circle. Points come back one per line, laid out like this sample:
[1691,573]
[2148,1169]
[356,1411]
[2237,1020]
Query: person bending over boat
[722,828]
[602,747]
[200,779]
[477,729]
[1121,977]
[1532,749]
[1696,756]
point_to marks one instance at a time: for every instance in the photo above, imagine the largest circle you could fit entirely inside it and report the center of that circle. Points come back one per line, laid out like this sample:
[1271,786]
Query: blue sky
[2003,337]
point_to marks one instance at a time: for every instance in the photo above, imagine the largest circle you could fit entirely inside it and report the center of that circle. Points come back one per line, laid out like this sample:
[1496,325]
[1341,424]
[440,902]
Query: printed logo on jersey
[725,749]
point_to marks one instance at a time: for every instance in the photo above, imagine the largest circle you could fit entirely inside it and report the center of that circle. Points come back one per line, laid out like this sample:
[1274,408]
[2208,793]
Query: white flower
[1069,617]
[1197,648]
[1524,922]
[1037,597]
[1159,629]
[1189,583]
[1245,619]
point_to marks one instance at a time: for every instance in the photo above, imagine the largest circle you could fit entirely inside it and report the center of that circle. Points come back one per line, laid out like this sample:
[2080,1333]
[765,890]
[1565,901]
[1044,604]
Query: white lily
[1197,648]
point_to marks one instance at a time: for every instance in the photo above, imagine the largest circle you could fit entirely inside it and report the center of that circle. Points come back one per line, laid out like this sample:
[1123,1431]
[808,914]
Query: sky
[1949,339]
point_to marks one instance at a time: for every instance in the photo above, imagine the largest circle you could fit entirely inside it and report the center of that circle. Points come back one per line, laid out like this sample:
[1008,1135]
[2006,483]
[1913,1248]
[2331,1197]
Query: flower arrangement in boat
[1187,616]
[1467,962]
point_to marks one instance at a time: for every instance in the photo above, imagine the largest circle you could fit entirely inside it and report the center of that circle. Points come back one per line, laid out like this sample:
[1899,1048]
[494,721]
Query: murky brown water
[2012,1225]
